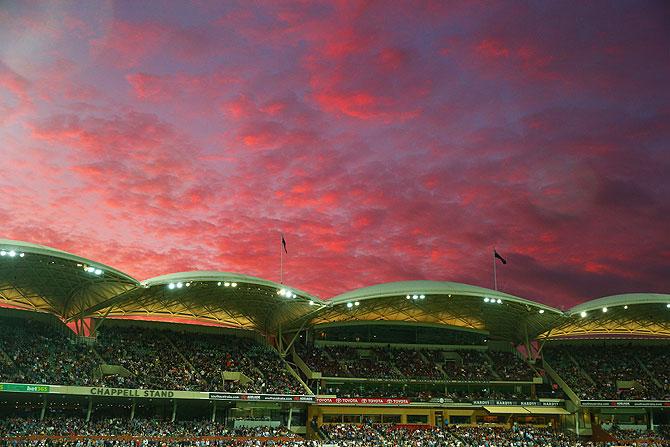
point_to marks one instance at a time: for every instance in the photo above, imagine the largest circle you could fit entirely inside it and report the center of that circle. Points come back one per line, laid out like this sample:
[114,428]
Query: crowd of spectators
[422,393]
[151,360]
[612,371]
[570,372]
[627,434]
[374,435]
[377,435]
[36,352]
[516,436]
[157,442]
[508,366]
[657,361]
[319,360]
[415,364]
[66,431]
[73,426]
[474,367]
[212,354]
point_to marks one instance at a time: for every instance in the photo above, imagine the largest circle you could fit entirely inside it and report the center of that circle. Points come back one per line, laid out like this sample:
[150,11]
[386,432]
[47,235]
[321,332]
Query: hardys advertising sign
[625,403]
[517,403]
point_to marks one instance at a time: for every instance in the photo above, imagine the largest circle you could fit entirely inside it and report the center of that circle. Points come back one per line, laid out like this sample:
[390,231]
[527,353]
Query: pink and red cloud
[387,141]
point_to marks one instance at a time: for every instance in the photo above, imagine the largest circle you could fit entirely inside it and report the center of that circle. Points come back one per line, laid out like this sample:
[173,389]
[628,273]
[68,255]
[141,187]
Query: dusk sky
[387,140]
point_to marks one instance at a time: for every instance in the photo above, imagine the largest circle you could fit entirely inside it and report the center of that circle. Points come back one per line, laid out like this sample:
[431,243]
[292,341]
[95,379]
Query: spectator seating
[35,352]
[608,366]
[39,353]
[416,364]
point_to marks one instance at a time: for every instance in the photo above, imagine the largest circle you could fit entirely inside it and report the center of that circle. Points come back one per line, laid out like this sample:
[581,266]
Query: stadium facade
[414,352]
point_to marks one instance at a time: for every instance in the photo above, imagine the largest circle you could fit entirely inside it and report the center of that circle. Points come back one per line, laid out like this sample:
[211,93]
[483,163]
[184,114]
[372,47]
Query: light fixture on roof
[180,285]
[668,305]
[357,303]
[626,307]
[188,284]
[311,303]
[583,314]
[283,292]
[499,301]
[226,284]
[422,296]
[233,284]
[541,311]
[218,283]
[486,299]
[97,272]
[408,297]
[171,286]
[12,253]
[350,304]
[604,309]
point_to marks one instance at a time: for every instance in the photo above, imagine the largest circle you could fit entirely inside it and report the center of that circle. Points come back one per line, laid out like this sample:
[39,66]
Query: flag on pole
[495,254]
[283,243]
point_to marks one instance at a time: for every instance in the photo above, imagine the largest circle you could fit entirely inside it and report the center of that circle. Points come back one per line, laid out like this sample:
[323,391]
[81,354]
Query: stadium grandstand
[91,356]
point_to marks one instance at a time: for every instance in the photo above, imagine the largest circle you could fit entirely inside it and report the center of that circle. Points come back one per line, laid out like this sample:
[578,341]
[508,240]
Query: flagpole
[495,277]
[281,259]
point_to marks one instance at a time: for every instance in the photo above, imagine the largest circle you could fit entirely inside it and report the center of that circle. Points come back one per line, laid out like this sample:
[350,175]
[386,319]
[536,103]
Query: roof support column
[529,352]
[44,407]
[542,343]
[280,339]
[295,336]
